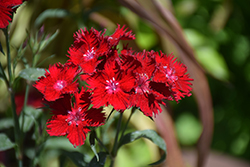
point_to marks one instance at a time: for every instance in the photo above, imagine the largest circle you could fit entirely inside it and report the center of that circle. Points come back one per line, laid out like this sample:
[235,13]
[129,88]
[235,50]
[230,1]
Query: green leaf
[1,75]
[20,54]
[92,143]
[46,60]
[5,142]
[31,114]
[76,157]
[149,134]
[1,49]
[48,40]
[6,123]
[98,163]
[213,62]
[32,74]
[207,54]
[51,13]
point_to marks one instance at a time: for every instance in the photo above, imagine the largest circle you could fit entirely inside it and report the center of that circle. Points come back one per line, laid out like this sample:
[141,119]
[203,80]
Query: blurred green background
[217,30]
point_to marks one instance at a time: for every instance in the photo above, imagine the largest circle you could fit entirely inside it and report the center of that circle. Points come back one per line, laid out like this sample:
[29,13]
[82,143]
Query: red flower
[87,48]
[6,11]
[120,34]
[111,86]
[58,80]
[173,74]
[147,95]
[74,121]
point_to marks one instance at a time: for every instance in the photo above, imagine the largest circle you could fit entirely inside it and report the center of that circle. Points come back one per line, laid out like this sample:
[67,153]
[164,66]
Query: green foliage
[1,49]
[188,129]
[149,134]
[98,162]
[30,117]
[32,74]
[76,157]
[6,123]
[51,13]
[219,33]
[5,142]
[207,54]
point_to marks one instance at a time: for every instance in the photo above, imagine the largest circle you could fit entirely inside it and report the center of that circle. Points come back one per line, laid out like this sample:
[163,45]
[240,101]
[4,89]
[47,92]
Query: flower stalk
[116,142]
[17,131]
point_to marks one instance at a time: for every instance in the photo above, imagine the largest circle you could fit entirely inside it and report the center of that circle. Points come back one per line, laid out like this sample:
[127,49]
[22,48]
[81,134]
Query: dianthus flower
[120,34]
[58,80]
[87,48]
[74,121]
[147,95]
[6,10]
[111,86]
[173,74]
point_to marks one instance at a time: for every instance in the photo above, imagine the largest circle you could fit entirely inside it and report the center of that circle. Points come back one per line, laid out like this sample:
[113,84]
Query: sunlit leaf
[32,74]
[5,142]
[149,134]
[207,55]
[213,62]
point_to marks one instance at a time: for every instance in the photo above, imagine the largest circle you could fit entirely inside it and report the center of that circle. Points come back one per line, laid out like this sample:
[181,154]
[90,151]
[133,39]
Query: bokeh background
[212,37]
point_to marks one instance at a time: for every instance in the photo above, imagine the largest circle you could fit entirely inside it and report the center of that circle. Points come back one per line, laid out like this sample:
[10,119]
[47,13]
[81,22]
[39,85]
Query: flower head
[6,10]
[87,48]
[58,80]
[120,34]
[74,121]
[173,74]
[111,86]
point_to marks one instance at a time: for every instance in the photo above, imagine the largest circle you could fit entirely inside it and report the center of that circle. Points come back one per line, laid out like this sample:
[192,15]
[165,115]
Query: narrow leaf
[32,74]
[51,13]
[98,163]
[1,49]
[46,60]
[5,142]
[149,134]
[92,143]
[48,40]
[2,73]
[94,150]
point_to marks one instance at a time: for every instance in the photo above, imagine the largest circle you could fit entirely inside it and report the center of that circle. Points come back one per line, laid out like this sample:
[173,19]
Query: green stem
[103,146]
[8,53]
[115,147]
[25,104]
[18,138]
[126,125]
[17,132]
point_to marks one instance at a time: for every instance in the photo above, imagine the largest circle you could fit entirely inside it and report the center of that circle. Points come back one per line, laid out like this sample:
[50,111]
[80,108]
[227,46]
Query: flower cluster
[7,7]
[121,78]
